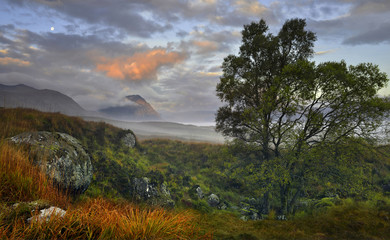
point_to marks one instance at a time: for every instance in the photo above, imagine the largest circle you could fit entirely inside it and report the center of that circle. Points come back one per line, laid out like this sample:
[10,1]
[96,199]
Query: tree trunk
[266,205]
[283,199]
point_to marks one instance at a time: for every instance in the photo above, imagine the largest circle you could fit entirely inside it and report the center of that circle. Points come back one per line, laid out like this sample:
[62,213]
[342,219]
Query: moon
[52,28]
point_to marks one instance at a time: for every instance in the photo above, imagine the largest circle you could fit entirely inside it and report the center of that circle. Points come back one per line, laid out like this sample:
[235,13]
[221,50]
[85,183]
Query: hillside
[43,100]
[352,196]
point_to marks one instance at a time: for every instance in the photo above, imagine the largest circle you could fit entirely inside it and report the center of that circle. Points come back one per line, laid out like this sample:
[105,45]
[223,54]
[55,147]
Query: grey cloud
[371,7]
[381,34]
[124,15]
[182,34]
[354,22]
[207,42]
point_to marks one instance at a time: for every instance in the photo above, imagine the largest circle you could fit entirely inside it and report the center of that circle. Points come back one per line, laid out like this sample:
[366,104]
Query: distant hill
[137,109]
[166,130]
[43,100]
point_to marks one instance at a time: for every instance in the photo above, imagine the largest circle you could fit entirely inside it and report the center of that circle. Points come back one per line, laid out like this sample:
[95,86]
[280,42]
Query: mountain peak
[136,98]
[141,111]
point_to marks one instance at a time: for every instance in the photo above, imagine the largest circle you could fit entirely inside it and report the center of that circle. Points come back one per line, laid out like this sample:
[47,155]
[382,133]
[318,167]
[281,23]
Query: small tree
[278,100]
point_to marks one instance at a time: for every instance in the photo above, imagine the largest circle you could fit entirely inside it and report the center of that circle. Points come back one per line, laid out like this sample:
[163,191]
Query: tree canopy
[277,99]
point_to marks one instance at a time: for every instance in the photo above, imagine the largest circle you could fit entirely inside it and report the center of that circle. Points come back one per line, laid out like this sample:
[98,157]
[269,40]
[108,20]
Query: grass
[103,219]
[349,220]
[93,218]
[22,181]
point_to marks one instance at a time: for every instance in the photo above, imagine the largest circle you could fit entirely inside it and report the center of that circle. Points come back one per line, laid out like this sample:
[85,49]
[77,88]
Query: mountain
[43,100]
[136,109]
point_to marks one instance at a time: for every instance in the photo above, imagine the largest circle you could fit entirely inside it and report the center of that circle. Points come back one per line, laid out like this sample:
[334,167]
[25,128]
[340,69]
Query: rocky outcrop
[60,156]
[129,140]
[143,190]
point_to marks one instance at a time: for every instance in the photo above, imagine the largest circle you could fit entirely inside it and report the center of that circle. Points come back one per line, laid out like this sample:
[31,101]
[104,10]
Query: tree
[278,100]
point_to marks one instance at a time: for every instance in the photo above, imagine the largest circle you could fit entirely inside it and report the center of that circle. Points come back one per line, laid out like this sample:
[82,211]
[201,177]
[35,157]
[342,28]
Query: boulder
[199,192]
[129,140]
[46,214]
[144,190]
[213,200]
[60,156]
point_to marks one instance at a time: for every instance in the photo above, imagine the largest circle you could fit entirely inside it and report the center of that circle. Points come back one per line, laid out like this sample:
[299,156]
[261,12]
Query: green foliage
[283,105]
[345,220]
[202,206]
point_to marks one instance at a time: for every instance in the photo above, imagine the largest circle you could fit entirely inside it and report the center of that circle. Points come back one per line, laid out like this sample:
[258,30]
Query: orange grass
[102,219]
[20,180]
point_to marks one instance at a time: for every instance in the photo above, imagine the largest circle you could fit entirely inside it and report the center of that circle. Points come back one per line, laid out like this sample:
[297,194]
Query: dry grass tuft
[21,181]
[102,219]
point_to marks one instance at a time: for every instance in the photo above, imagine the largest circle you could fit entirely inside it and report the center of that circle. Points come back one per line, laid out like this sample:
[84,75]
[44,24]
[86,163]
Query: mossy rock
[60,156]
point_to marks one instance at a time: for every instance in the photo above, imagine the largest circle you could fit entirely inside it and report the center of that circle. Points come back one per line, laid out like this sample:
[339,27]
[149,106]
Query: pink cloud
[140,66]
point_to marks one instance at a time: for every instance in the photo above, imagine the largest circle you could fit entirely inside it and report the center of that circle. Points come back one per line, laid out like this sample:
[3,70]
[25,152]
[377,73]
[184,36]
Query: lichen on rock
[60,156]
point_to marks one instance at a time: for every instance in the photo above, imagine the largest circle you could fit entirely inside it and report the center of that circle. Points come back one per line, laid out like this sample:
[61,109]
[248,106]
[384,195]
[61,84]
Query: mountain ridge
[46,100]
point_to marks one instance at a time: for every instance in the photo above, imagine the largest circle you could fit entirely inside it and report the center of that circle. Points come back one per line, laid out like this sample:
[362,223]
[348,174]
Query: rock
[199,192]
[144,190]
[196,192]
[61,157]
[129,140]
[213,200]
[46,214]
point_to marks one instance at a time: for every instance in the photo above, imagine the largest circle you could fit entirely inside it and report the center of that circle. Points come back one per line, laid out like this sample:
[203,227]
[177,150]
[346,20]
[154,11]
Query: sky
[167,51]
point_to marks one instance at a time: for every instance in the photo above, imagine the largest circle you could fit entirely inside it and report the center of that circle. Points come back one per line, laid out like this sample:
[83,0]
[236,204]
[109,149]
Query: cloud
[324,52]
[4,51]
[381,34]
[124,15]
[140,66]
[250,7]
[13,61]
[206,46]
[349,22]
[371,7]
